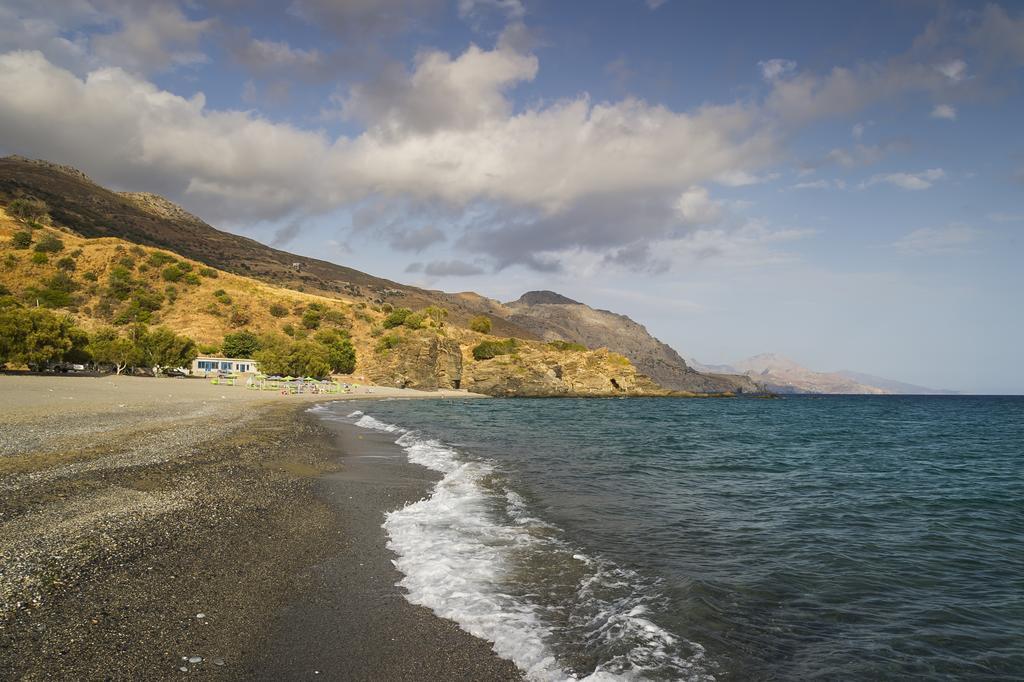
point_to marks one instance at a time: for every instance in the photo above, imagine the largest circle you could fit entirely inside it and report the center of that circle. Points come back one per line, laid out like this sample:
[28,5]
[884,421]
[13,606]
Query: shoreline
[391,639]
[143,529]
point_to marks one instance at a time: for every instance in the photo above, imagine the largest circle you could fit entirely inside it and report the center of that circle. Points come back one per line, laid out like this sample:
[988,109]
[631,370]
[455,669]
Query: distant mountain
[893,386]
[552,316]
[783,375]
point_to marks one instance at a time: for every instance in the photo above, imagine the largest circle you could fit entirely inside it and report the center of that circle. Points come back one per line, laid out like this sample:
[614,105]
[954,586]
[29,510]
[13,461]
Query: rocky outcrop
[552,316]
[423,360]
[781,375]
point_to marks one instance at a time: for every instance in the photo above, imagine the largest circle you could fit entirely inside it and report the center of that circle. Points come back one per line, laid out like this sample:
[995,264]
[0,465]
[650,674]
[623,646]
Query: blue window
[225,365]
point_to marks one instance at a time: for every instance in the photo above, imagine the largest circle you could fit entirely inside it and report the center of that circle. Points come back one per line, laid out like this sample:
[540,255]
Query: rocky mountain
[783,375]
[551,316]
[891,385]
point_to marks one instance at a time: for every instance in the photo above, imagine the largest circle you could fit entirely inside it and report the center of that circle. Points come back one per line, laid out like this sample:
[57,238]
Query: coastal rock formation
[552,316]
[423,360]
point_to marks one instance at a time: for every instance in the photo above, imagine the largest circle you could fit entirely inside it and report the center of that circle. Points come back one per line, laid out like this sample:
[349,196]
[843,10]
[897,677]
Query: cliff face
[552,316]
[429,359]
[782,375]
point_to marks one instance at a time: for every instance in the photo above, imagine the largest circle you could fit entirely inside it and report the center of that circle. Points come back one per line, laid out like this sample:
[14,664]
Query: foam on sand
[466,553]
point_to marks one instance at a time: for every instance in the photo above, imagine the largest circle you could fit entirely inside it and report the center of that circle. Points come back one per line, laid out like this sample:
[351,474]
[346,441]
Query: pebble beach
[154,528]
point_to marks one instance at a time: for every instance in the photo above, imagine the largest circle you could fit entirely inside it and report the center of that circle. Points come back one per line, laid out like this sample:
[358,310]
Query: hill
[551,316]
[90,211]
[783,375]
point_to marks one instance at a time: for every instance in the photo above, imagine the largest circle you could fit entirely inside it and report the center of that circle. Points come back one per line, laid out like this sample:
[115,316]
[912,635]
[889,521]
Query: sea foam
[457,550]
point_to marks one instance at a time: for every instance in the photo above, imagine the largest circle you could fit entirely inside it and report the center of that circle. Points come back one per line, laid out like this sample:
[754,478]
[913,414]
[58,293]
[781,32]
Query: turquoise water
[802,538]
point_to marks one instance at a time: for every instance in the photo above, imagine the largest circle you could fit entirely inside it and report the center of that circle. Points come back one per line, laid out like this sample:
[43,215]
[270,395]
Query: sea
[801,538]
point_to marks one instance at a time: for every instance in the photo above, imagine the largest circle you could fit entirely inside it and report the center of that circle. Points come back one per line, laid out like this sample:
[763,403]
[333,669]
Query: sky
[838,182]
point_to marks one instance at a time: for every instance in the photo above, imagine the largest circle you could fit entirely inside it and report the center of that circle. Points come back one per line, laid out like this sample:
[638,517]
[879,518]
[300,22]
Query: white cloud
[153,40]
[813,184]
[655,4]
[858,130]
[773,69]
[955,70]
[944,111]
[910,181]
[513,9]
[939,240]
[695,206]
[466,146]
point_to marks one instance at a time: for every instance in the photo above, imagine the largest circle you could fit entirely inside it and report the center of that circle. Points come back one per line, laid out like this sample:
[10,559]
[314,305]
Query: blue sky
[837,182]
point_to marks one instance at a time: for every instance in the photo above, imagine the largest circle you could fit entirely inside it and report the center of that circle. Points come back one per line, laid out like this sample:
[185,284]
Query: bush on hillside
[278,310]
[67,264]
[311,318]
[29,210]
[563,346]
[388,342]
[396,318]
[159,259]
[39,258]
[172,273]
[492,349]
[21,240]
[481,324]
[49,244]
[209,273]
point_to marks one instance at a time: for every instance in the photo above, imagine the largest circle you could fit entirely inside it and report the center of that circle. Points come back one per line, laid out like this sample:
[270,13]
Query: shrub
[21,240]
[481,323]
[415,321]
[171,292]
[396,318]
[222,297]
[49,244]
[138,250]
[29,210]
[387,343]
[40,258]
[209,272]
[192,279]
[209,348]
[127,261]
[563,346]
[120,283]
[159,259]
[311,318]
[386,307]
[67,264]
[492,349]
[172,273]
[10,260]
[278,310]
[336,317]
[436,314]
[56,292]
[91,276]
[288,329]
[239,317]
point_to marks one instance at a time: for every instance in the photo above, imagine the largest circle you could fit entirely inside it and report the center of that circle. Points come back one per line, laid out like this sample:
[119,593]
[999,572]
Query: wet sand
[145,524]
[354,623]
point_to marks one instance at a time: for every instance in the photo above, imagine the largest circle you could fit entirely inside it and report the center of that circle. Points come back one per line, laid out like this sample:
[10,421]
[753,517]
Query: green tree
[340,351]
[108,348]
[240,344]
[33,336]
[161,348]
[481,323]
[29,210]
[492,349]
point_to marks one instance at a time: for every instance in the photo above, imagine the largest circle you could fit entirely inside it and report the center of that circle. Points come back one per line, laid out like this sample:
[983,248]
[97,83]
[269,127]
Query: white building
[207,364]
